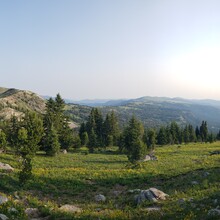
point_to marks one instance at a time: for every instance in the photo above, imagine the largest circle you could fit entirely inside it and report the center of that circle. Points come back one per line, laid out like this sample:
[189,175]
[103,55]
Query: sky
[111,49]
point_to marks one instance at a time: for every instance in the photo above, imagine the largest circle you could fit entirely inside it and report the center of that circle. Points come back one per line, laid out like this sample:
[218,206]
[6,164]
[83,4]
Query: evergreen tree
[133,140]
[111,129]
[204,131]
[92,141]
[51,142]
[55,117]
[27,142]
[218,136]
[3,140]
[151,139]
[77,142]
[175,133]
[186,134]
[192,135]
[84,139]
[162,136]
[197,132]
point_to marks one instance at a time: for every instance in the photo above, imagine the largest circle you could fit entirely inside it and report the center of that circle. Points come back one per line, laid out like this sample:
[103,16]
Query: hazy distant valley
[152,111]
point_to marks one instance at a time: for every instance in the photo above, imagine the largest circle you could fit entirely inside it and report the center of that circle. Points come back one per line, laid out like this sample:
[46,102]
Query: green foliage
[151,139]
[3,140]
[27,140]
[55,117]
[51,142]
[204,131]
[77,142]
[84,139]
[133,140]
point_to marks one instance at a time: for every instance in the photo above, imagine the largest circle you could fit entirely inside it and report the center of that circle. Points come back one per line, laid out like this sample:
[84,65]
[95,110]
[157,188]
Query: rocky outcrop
[6,167]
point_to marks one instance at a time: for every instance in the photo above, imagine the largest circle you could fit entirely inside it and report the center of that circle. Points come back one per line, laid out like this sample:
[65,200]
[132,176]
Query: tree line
[134,139]
[51,132]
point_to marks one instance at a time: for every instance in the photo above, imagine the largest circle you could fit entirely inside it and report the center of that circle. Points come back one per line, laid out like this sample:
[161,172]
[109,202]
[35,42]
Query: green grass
[75,178]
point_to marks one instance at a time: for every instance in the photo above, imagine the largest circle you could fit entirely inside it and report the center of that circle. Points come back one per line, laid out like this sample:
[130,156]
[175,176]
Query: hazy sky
[111,48]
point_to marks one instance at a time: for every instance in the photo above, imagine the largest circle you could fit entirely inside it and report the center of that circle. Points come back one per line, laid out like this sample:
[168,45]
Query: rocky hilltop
[16,102]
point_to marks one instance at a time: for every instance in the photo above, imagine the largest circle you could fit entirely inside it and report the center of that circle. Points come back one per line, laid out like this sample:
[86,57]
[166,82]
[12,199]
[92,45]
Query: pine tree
[162,136]
[197,132]
[151,139]
[92,141]
[51,142]
[133,140]
[186,134]
[204,131]
[192,135]
[27,142]
[84,139]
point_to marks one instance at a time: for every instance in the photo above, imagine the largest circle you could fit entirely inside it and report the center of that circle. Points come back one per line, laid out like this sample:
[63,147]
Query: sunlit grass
[75,178]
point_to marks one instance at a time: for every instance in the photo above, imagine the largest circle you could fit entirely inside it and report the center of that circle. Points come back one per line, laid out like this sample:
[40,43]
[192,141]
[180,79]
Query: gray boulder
[158,194]
[6,167]
[70,208]
[152,195]
[214,212]
[100,198]
[3,217]
[3,199]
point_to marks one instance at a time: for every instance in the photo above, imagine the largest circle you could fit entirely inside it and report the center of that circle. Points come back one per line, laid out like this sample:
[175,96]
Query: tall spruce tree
[133,140]
[162,136]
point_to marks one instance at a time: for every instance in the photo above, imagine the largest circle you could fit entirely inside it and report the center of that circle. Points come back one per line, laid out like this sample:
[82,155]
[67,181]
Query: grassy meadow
[75,178]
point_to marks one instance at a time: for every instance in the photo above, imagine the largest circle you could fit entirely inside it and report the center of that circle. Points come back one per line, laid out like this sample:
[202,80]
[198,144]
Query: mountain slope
[157,111]
[16,102]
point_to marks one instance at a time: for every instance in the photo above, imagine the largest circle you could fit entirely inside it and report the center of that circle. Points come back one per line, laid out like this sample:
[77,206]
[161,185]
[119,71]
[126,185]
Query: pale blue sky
[111,48]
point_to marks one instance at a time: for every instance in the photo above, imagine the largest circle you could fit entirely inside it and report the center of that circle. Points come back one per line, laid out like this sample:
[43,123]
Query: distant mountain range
[156,111]
[152,111]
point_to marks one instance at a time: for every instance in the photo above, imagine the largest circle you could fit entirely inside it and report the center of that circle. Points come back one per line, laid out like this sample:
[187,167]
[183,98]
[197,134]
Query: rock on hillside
[16,102]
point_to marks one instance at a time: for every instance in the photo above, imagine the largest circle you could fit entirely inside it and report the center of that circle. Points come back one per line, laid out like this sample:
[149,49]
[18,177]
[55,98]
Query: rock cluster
[151,194]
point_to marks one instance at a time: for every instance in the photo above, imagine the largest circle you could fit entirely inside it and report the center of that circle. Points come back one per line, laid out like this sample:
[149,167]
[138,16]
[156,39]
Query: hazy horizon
[124,49]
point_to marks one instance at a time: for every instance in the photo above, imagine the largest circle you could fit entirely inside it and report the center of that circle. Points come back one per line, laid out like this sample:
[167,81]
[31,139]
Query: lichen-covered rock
[70,208]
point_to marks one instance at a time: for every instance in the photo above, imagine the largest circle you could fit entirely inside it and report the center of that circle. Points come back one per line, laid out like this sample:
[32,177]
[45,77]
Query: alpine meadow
[110,110]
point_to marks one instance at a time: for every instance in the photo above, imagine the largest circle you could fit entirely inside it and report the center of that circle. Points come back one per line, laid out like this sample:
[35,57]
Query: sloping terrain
[156,111]
[16,102]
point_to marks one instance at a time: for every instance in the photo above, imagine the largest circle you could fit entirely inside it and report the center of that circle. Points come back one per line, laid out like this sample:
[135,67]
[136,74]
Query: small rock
[100,198]
[6,167]
[214,212]
[64,151]
[32,212]
[13,210]
[194,183]
[150,209]
[147,158]
[134,190]
[215,201]
[181,201]
[3,199]
[158,194]
[70,208]
[3,217]
[205,174]
[116,193]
